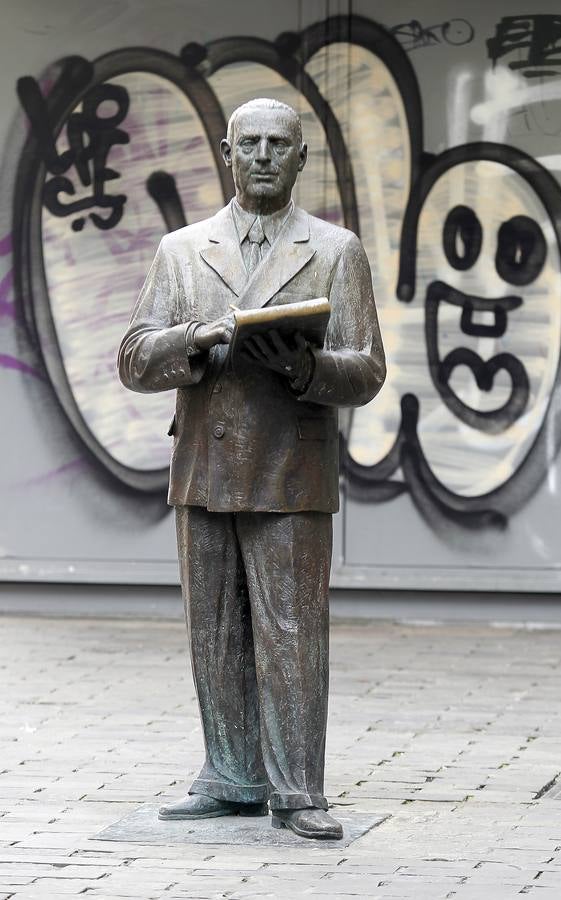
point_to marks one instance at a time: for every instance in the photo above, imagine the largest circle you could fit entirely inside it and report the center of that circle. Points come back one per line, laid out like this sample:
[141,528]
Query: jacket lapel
[289,253]
[223,253]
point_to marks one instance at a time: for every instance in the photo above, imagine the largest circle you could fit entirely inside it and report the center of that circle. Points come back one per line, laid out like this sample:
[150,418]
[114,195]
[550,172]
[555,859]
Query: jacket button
[217,388]
[218,431]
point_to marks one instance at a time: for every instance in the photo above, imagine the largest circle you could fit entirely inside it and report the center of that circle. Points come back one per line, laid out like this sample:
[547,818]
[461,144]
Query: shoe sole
[211,815]
[316,835]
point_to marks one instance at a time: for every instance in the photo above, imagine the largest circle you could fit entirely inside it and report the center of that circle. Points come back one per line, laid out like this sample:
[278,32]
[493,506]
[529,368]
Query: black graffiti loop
[462,237]
[81,82]
[521,250]
[492,421]
[96,97]
[457,32]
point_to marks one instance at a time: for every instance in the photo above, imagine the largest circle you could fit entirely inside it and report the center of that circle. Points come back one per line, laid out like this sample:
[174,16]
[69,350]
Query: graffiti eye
[521,250]
[462,236]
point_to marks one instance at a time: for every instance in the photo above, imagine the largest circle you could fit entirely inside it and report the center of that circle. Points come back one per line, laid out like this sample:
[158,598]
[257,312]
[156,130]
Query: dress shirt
[271,224]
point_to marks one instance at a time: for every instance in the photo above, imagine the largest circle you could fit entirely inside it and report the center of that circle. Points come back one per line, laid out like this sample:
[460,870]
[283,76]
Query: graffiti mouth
[484,371]
[470,304]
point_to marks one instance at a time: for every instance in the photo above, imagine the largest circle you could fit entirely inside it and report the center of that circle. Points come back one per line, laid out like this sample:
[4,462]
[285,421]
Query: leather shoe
[199,806]
[309,823]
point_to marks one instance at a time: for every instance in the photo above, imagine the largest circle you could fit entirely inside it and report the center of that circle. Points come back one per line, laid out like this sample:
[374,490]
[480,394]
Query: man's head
[264,149]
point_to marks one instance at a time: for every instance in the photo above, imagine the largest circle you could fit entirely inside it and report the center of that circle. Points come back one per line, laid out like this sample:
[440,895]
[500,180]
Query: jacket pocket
[315,429]
[171,429]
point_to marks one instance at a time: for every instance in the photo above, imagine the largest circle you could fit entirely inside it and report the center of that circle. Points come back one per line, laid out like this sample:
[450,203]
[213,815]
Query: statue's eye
[521,250]
[461,237]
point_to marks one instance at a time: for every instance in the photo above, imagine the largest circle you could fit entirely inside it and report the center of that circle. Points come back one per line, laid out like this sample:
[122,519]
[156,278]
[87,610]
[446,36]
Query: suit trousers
[255,587]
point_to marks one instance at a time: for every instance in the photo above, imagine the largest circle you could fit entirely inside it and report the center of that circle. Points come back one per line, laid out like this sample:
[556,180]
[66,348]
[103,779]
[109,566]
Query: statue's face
[265,158]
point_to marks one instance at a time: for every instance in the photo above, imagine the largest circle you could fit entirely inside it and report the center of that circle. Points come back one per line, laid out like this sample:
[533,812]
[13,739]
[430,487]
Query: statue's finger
[263,346]
[278,342]
[250,348]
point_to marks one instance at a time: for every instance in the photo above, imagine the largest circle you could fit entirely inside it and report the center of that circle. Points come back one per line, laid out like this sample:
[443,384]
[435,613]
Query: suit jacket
[246,441]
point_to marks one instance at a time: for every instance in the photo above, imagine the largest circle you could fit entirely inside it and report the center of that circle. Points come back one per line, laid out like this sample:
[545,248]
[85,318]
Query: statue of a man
[254,471]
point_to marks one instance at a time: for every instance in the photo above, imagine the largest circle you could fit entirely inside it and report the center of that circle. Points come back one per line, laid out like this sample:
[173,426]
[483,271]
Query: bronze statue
[254,470]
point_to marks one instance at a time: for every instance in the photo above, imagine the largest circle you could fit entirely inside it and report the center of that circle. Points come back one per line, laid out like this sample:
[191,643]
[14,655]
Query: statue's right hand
[218,332]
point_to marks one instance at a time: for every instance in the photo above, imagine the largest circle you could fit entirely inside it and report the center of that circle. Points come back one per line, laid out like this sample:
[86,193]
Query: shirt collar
[271,224]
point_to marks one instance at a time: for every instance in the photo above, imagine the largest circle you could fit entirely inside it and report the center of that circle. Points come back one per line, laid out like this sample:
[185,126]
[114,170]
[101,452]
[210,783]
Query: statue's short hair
[262,103]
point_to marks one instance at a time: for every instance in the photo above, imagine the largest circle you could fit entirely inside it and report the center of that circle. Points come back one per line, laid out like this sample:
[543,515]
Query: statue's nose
[263,150]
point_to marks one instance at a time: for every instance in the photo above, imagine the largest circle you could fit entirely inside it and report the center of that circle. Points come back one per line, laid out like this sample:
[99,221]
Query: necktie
[256,237]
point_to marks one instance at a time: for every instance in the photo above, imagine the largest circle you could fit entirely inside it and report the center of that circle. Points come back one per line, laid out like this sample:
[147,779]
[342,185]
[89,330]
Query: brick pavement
[454,730]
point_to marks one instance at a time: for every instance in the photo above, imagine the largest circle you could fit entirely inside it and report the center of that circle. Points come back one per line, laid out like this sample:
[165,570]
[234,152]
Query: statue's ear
[303,156]
[226,152]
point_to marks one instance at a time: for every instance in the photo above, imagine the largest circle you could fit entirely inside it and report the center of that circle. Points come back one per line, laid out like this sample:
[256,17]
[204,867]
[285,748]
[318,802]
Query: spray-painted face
[489,274]
[519,259]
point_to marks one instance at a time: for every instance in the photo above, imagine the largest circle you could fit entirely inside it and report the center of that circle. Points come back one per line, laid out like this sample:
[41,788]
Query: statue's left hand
[294,362]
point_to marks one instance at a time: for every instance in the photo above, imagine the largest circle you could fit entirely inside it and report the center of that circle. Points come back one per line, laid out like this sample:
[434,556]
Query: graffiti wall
[434,134]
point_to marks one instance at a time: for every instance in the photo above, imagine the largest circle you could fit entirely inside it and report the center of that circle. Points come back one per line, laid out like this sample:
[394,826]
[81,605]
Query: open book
[309,317]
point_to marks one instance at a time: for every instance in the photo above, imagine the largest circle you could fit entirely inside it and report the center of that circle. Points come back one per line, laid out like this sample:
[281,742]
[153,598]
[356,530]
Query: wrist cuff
[190,345]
